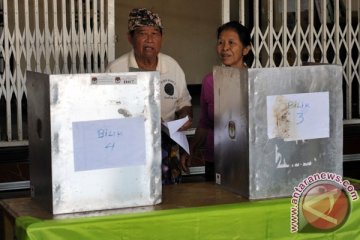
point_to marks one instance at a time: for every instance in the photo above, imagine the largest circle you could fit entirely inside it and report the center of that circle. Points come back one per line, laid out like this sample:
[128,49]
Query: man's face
[146,42]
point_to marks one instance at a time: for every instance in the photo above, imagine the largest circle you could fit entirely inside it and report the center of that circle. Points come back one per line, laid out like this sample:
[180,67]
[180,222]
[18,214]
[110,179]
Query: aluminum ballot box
[274,127]
[94,140]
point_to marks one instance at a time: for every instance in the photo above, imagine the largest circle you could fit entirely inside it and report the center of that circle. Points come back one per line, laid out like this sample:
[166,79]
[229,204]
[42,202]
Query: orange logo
[325,206]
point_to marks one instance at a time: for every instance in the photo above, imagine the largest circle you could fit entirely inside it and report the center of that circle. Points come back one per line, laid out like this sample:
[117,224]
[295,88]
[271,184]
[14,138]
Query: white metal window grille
[49,36]
[293,32]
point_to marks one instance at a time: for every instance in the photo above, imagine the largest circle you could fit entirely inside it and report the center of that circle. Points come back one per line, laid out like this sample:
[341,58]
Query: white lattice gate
[49,36]
[291,32]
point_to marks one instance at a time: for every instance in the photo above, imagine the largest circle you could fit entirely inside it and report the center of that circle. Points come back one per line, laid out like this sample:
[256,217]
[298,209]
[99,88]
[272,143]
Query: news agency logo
[321,202]
[324,206]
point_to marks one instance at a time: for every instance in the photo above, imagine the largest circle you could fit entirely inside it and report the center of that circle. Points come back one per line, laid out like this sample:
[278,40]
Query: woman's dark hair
[242,31]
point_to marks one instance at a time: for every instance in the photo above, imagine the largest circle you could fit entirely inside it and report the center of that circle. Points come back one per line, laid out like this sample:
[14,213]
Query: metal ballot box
[94,140]
[276,126]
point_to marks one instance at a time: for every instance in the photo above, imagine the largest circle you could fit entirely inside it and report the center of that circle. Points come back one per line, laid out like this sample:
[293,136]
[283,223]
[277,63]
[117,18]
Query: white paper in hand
[172,130]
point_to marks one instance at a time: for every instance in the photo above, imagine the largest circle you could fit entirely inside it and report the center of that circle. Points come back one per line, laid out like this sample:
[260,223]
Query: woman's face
[230,49]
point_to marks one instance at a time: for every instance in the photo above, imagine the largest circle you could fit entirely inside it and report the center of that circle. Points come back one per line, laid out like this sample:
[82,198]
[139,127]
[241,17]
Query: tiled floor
[18,171]
[351,139]
[14,194]
[14,164]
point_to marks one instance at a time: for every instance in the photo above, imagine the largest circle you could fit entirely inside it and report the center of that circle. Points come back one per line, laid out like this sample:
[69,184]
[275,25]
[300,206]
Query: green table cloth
[267,219]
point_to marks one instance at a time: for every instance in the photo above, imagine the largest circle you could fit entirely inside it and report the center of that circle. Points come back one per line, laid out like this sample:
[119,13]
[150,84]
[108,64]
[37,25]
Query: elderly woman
[233,44]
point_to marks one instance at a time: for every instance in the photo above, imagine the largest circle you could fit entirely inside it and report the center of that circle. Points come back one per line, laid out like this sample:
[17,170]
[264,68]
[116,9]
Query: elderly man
[145,36]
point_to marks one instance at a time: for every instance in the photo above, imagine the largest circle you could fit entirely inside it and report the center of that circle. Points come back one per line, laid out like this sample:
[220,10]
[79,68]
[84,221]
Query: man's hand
[186,125]
[183,112]
[185,162]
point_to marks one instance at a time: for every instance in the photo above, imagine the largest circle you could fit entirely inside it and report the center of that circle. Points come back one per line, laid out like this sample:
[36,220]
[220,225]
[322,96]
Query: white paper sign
[298,116]
[109,143]
[171,129]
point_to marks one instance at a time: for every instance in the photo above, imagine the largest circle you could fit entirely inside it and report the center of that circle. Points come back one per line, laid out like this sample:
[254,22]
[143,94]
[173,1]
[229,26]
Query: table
[173,196]
[188,211]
